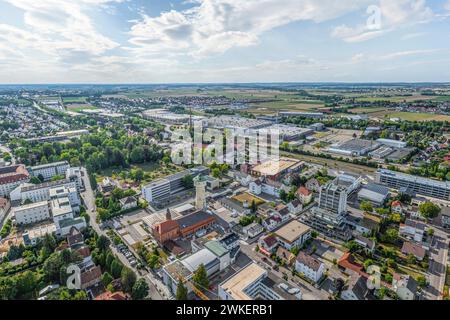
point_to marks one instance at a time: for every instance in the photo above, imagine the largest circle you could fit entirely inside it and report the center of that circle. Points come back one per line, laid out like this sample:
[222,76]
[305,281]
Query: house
[293,234]
[271,223]
[282,211]
[445,217]
[404,286]
[255,187]
[397,207]
[253,230]
[313,185]
[365,225]
[243,178]
[75,238]
[5,204]
[308,266]
[108,295]
[90,277]
[304,195]
[411,248]
[412,230]
[268,244]
[367,244]
[356,288]
[285,256]
[295,207]
[128,203]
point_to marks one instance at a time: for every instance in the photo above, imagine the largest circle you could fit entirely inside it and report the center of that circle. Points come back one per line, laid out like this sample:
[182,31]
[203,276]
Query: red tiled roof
[88,276]
[13,174]
[84,252]
[112,296]
[396,203]
[270,241]
[411,248]
[302,190]
[167,226]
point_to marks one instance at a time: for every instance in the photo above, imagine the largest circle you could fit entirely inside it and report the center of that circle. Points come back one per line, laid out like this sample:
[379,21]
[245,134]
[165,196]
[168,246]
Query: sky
[218,41]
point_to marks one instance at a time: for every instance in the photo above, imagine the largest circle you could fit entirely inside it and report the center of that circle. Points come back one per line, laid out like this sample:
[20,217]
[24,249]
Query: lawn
[416,116]
[249,198]
[74,99]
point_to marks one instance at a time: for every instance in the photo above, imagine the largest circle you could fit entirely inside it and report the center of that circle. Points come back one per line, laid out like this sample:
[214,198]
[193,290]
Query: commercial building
[275,168]
[235,122]
[293,234]
[354,147]
[48,171]
[290,133]
[418,185]
[392,143]
[374,193]
[167,117]
[32,213]
[11,177]
[164,188]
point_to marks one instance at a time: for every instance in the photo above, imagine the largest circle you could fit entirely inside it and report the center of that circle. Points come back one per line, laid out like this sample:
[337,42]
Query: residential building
[74,174]
[33,235]
[64,226]
[5,205]
[313,185]
[11,177]
[366,243]
[39,192]
[445,217]
[310,267]
[416,250]
[356,288]
[253,230]
[48,171]
[64,192]
[32,213]
[286,257]
[304,195]
[128,203]
[295,207]
[404,286]
[417,185]
[267,244]
[397,207]
[61,209]
[412,230]
[90,277]
[293,234]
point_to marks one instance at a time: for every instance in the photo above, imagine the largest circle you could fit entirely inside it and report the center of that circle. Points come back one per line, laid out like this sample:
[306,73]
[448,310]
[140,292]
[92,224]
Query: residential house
[416,250]
[397,207]
[253,230]
[445,217]
[128,203]
[412,230]
[295,207]
[366,243]
[255,187]
[310,267]
[90,277]
[267,244]
[287,257]
[5,204]
[108,295]
[404,286]
[313,185]
[304,195]
[271,223]
[356,288]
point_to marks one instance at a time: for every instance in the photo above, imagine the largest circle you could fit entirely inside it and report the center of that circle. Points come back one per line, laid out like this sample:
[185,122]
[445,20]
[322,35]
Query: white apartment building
[310,267]
[63,192]
[74,175]
[37,192]
[47,171]
[32,213]
[61,209]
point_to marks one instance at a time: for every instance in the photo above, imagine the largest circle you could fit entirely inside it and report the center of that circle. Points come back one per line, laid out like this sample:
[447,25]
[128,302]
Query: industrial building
[354,147]
[167,117]
[374,193]
[418,185]
[289,133]
[234,122]
[392,143]
[318,115]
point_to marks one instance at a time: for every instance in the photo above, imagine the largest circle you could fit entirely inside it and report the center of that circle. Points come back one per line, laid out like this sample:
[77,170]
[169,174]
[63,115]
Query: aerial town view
[224,150]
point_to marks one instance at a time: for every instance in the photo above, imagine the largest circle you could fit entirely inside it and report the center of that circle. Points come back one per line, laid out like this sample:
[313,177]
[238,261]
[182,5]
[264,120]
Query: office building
[418,185]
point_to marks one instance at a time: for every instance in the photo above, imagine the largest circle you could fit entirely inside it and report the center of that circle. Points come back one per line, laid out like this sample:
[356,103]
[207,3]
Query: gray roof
[192,219]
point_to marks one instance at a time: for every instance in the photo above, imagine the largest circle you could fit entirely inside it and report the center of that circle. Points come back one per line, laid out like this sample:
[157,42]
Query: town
[100,191]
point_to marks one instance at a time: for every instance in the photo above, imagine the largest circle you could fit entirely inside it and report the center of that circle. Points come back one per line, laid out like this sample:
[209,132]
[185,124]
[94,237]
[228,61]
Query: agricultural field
[78,107]
[417,116]
[74,99]
[395,99]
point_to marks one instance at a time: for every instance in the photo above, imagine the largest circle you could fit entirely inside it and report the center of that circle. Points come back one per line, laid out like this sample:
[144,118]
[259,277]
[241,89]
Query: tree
[103,243]
[366,206]
[116,269]
[422,281]
[128,279]
[391,235]
[215,173]
[140,290]
[182,291]
[429,210]
[283,195]
[253,207]
[200,278]
[106,279]
[188,181]
[35,180]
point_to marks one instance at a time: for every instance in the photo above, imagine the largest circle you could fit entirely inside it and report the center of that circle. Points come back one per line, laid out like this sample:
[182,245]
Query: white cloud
[447,5]
[394,15]
[214,26]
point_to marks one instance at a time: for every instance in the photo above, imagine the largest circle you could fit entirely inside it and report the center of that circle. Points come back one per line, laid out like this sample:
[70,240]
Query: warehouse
[392,143]
[289,133]
[354,147]
[374,193]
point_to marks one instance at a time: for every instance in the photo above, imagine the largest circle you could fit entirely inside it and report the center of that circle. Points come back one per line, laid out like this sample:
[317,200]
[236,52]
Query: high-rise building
[200,193]
[333,197]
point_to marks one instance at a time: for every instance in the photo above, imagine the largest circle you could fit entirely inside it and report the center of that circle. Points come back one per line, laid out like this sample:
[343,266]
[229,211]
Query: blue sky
[160,41]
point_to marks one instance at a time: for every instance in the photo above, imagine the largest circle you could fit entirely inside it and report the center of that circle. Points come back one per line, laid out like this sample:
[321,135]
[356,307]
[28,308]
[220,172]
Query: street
[89,201]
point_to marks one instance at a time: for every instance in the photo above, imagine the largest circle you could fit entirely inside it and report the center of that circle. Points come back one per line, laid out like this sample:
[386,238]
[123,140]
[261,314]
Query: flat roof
[414,179]
[216,247]
[49,165]
[236,285]
[203,256]
[31,205]
[292,231]
[273,167]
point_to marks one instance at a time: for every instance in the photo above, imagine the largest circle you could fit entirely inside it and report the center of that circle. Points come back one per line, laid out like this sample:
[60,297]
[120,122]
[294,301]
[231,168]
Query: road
[438,264]
[309,292]
[88,197]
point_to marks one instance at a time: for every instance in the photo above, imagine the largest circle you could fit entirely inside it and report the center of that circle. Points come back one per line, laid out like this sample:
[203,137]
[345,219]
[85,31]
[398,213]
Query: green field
[78,107]
[74,99]
[415,116]
[442,99]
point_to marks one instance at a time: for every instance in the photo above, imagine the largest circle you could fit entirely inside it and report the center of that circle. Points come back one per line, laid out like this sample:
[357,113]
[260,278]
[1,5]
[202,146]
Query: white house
[32,213]
[412,230]
[312,268]
[253,230]
[128,203]
[255,187]
[295,207]
[404,286]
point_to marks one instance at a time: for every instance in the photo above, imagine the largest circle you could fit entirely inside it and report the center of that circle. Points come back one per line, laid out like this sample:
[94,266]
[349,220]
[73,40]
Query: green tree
[200,278]
[128,279]
[116,269]
[188,181]
[422,281]
[181,291]
[103,242]
[140,290]
[106,279]
[366,206]
[391,235]
[429,210]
